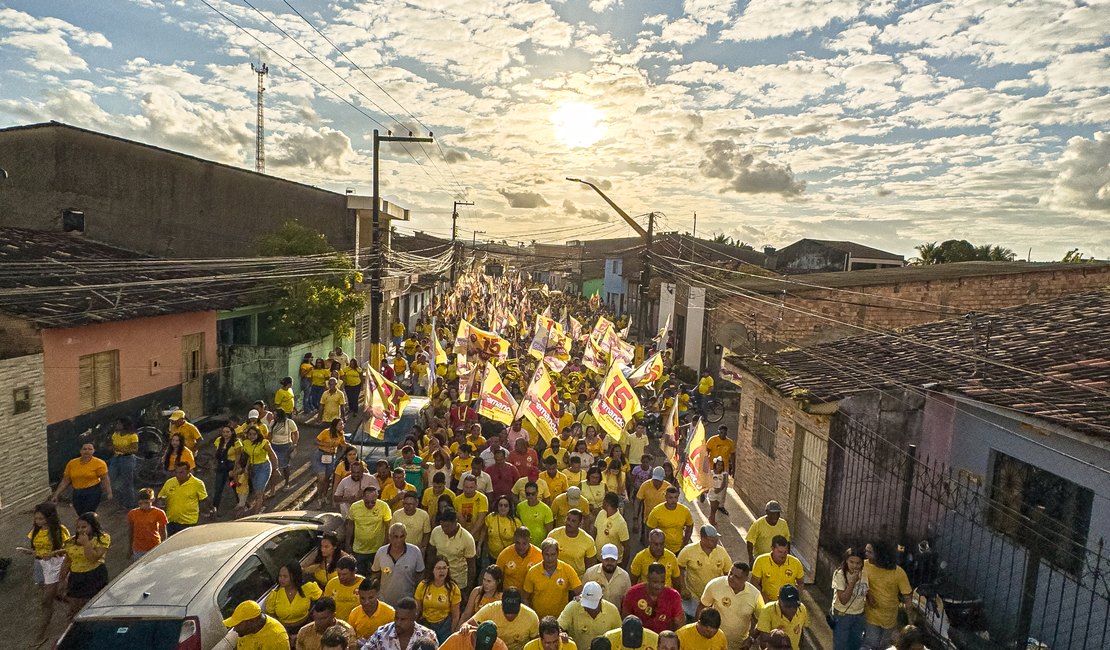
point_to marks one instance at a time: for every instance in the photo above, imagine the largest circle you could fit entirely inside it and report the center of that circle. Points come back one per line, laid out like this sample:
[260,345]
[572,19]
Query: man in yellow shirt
[555,450]
[576,547]
[182,495]
[589,616]
[650,494]
[366,523]
[333,402]
[569,500]
[472,507]
[610,526]
[549,585]
[631,635]
[764,529]
[284,398]
[517,558]
[556,481]
[322,618]
[550,637]
[121,466]
[371,613]
[674,519]
[720,446]
[787,613]
[738,601]
[397,330]
[656,551]
[188,431]
[776,569]
[255,629]
[705,634]
[700,562]
[516,622]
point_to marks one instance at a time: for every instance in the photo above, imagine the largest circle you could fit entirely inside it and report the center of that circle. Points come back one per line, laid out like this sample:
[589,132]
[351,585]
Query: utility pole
[454,237]
[376,250]
[645,271]
[260,135]
[474,239]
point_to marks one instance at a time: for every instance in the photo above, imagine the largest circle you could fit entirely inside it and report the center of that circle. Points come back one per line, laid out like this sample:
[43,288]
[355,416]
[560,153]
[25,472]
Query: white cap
[253,413]
[574,492]
[610,552]
[657,474]
[591,595]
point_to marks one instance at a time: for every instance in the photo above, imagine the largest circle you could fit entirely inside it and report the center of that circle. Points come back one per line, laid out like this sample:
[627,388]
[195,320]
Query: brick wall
[809,316]
[23,466]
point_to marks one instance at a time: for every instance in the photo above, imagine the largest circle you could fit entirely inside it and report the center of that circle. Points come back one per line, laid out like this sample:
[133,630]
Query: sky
[885,122]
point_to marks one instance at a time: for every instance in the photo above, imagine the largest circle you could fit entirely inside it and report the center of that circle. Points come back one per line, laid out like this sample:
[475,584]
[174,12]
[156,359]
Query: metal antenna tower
[260,139]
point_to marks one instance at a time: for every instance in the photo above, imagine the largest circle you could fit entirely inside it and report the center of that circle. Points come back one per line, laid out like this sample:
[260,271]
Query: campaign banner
[670,435]
[647,372]
[383,402]
[495,401]
[539,404]
[696,477]
[615,403]
[479,345]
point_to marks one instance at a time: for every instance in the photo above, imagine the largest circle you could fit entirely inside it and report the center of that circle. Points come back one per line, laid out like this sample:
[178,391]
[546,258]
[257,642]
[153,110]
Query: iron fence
[1034,579]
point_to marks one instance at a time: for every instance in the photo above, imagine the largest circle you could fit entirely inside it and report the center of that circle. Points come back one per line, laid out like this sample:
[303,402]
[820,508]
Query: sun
[578,124]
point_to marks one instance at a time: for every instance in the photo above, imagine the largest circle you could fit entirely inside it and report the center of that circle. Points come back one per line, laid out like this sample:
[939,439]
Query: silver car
[176,596]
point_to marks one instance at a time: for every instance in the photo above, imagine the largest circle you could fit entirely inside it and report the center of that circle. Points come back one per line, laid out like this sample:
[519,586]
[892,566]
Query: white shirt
[485,483]
[613,588]
[349,488]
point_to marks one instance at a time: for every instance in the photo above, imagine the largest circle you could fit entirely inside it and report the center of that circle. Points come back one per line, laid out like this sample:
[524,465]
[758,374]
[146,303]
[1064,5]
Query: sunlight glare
[578,124]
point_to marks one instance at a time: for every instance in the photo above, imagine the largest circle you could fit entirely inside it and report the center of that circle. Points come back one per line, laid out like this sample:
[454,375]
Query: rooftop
[856,250]
[56,279]
[1048,360]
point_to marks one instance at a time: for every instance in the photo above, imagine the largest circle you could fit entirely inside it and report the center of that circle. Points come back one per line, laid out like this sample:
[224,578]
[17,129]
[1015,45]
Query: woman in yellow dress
[291,599]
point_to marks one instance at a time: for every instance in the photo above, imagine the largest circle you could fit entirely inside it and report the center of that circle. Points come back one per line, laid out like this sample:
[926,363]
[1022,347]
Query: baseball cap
[773,506]
[253,413]
[574,492]
[177,415]
[610,552]
[657,474]
[485,636]
[709,530]
[245,611]
[591,595]
[789,594]
[632,632]
[510,602]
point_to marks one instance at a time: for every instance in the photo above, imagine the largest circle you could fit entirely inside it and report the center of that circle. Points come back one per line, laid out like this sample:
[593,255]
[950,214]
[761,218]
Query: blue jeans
[306,394]
[315,395]
[220,480]
[86,499]
[877,638]
[848,632]
[121,472]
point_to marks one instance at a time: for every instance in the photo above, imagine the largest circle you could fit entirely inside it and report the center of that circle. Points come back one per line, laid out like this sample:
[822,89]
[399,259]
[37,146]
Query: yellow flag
[615,403]
[647,372]
[383,403]
[670,435]
[695,477]
[539,404]
[438,351]
[495,402]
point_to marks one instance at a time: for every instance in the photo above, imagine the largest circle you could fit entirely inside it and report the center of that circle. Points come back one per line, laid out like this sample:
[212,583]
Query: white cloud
[763,19]
[745,172]
[682,32]
[599,6]
[1083,175]
[46,42]
[708,11]
[856,38]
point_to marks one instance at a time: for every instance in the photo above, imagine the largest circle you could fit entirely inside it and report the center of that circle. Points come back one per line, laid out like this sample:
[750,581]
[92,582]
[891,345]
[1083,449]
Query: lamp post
[645,269]
[376,250]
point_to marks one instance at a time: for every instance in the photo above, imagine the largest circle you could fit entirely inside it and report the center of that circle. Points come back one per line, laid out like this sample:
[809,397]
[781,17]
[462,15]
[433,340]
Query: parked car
[176,596]
[394,434]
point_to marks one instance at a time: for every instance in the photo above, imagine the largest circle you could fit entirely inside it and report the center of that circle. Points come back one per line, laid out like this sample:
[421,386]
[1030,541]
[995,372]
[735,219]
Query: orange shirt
[147,526]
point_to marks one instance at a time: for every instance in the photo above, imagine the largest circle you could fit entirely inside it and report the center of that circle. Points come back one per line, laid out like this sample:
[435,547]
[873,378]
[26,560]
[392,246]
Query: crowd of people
[478,534]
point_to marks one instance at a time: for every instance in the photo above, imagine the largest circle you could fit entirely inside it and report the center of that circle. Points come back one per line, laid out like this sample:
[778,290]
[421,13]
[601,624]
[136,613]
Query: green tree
[311,307]
[1075,257]
[960,250]
[722,238]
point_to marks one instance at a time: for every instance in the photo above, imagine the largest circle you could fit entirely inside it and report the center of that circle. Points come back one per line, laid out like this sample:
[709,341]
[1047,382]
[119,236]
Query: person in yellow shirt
[516,623]
[89,477]
[430,500]
[182,495]
[419,375]
[651,493]
[720,446]
[397,330]
[556,481]
[569,500]
[549,585]
[438,601]
[705,384]
[705,634]
[517,558]
[343,588]
[550,637]
[121,466]
[462,463]
[371,612]
[700,562]
[765,528]
[574,472]
[576,546]
[555,450]
[656,551]
[631,635]
[333,403]
[394,489]
[188,431]
[284,398]
[291,599]
[674,519]
[399,368]
[610,526]
[318,376]
[776,569]
[255,628]
[787,613]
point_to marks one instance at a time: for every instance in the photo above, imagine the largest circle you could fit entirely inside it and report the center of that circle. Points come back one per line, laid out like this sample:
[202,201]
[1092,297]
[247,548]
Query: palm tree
[960,250]
[927,253]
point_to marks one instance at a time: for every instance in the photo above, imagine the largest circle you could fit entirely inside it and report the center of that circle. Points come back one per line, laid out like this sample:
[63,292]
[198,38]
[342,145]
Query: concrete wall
[252,372]
[809,316]
[154,201]
[140,342]
[809,257]
[24,480]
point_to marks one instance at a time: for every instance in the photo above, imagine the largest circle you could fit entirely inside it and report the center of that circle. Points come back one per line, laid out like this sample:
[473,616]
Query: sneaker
[721,509]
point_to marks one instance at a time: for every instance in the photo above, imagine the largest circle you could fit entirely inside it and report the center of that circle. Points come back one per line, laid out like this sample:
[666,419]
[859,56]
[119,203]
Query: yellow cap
[177,415]
[246,611]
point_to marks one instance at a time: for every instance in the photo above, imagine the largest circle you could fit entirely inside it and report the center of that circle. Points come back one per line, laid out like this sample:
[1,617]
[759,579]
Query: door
[807,492]
[192,379]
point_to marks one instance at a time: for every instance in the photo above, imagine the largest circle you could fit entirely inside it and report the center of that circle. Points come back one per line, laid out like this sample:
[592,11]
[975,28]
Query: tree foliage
[311,307]
[960,250]
[722,238]
[1075,257]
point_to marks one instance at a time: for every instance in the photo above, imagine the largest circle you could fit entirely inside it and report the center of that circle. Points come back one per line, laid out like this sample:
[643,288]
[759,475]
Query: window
[250,581]
[21,400]
[288,547]
[1040,510]
[98,383]
[764,428]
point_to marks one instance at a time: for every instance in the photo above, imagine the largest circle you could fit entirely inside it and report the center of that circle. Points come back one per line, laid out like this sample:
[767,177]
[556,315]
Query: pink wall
[140,342]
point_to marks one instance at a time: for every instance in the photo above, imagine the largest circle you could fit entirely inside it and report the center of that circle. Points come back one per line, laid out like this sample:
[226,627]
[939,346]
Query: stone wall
[23,468]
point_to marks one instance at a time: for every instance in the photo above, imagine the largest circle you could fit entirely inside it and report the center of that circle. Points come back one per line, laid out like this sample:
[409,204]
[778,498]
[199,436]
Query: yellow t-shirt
[582,627]
[514,633]
[651,640]
[366,624]
[262,428]
[400,365]
[550,592]
[556,485]
[611,530]
[514,567]
[715,447]
[85,475]
[672,523]
[284,400]
[499,533]
[390,490]
[642,560]
[270,636]
[417,525]
[331,405]
[651,495]
[559,456]
[187,458]
[306,370]
[256,452]
[419,369]
[189,433]
[705,385]
[460,466]
[761,533]
[410,346]
[41,543]
[430,501]
[351,376]
[320,376]
[370,524]
[774,576]
[561,505]
[771,618]
[125,443]
[701,568]
[437,600]
[183,499]
[884,590]
[295,610]
[456,550]
[398,329]
[537,644]
[469,508]
[574,478]
[595,494]
[78,563]
[345,596]
[328,443]
[574,550]
[689,637]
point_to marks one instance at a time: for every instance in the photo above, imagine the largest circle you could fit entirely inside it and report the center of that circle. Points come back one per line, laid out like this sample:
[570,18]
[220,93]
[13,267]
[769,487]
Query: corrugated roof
[1048,360]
